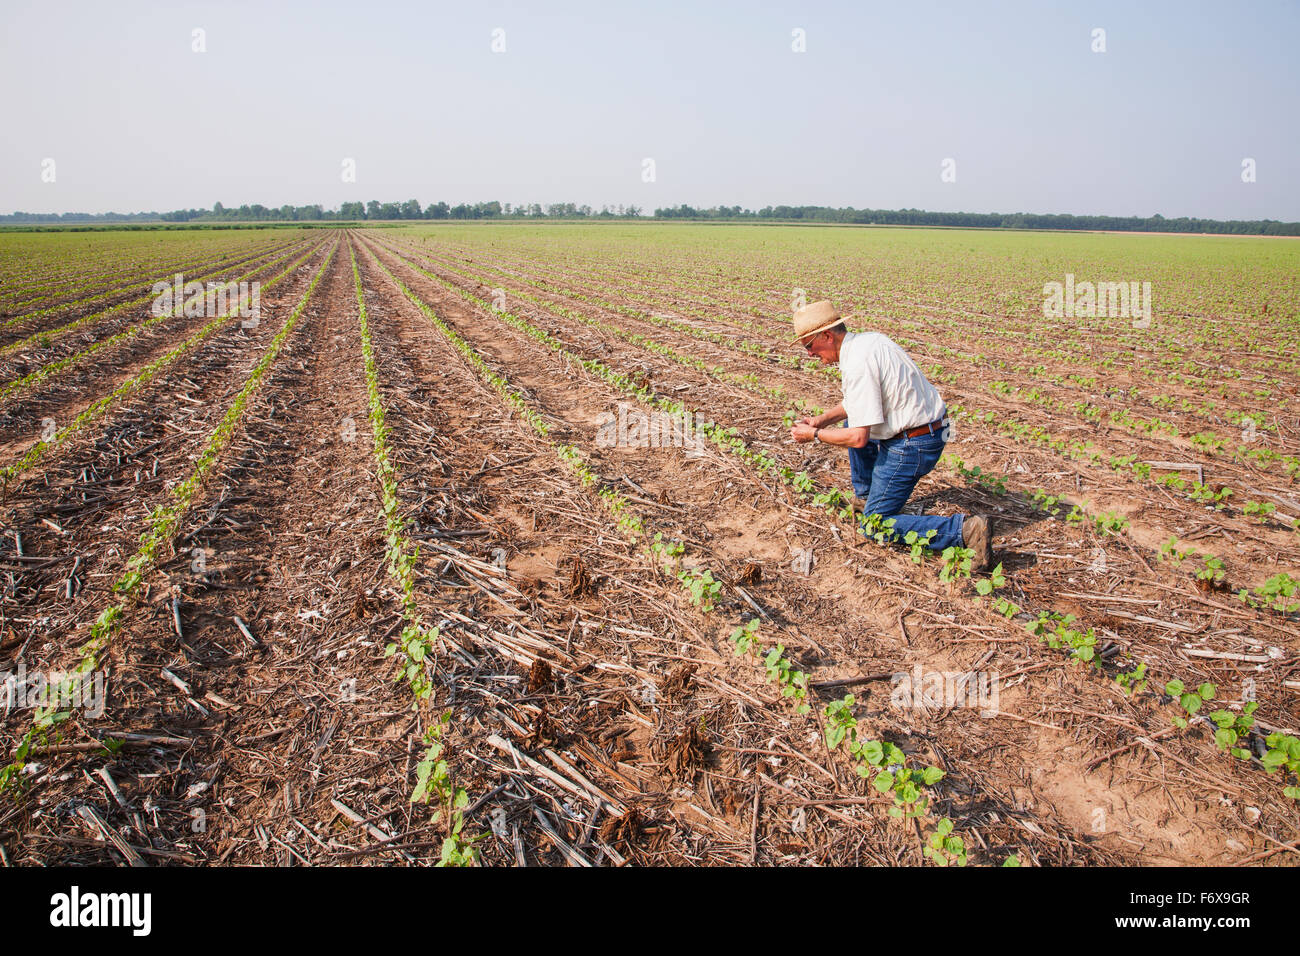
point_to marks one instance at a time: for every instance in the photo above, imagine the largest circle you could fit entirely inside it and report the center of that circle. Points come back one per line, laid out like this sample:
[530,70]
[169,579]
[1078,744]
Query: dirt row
[80,513]
[61,397]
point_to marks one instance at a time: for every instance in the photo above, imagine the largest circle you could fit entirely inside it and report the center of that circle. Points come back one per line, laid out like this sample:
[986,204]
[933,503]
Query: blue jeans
[884,474]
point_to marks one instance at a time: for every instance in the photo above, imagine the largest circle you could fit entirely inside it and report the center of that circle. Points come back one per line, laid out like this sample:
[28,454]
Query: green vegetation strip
[44,372]
[160,530]
[417,640]
[100,296]
[43,337]
[98,408]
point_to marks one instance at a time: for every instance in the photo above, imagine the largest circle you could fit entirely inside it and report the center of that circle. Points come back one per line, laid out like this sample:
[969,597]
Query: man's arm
[844,437]
[806,428]
[836,414]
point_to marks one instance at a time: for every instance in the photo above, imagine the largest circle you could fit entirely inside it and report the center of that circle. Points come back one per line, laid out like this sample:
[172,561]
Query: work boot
[977,534]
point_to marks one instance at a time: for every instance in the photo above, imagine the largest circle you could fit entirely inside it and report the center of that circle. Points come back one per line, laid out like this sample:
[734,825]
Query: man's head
[820,330]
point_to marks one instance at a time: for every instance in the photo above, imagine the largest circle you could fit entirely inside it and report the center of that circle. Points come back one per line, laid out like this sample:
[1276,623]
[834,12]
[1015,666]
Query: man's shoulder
[862,344]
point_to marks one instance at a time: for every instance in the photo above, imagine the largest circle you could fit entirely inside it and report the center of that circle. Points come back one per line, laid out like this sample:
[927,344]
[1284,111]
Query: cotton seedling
[1189,700]
[1212,574]
[1109,523]
[1283,754]
[433,784]
[1169,552]
[1008,609]
[745,638]
[1275,594]
[881,763]
[793,683]
[1045,502]
[1261,512]
[1134,681]
[920,546]
[1207,495]
[669,552]
[996,579]
[701,587]
[1232,728]
[943,848]
[957,562]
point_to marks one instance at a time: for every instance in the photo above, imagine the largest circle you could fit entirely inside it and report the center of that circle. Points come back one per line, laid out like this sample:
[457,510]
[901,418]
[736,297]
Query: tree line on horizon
[412,210]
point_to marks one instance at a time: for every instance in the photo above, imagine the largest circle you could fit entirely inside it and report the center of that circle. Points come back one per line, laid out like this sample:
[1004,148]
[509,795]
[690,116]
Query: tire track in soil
[88,507]
[810,602]
[289,525]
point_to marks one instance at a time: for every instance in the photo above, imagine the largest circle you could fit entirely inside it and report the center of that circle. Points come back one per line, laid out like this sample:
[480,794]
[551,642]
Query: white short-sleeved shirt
[883,388]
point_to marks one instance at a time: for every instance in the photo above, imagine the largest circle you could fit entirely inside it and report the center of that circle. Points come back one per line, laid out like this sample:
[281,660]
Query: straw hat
[816,317]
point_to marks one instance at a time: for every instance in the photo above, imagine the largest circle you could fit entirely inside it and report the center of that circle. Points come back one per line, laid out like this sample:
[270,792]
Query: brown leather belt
[929,429]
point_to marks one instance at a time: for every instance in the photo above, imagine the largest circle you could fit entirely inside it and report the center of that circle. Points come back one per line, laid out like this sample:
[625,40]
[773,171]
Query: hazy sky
[713,93]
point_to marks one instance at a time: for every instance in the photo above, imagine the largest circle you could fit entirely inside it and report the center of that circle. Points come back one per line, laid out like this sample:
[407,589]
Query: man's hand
[802,432]
[808,420]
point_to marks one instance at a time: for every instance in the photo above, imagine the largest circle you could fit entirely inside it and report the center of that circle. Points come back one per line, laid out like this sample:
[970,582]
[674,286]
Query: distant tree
[411,209]
[372,209]
[439,210]
[352,210]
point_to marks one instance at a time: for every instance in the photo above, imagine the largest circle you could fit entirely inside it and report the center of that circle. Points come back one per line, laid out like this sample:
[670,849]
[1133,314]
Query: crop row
[97,408]
[44,337]
[418,640]
[160,530]
[32,379]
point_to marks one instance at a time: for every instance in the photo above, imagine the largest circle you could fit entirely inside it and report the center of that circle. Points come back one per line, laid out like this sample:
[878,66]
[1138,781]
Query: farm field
[368,581]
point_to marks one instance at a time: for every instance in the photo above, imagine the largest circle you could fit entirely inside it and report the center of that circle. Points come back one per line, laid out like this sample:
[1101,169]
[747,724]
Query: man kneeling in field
[896,428]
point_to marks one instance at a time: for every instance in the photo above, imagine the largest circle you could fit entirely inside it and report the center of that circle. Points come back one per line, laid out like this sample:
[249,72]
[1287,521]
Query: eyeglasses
[809,344]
